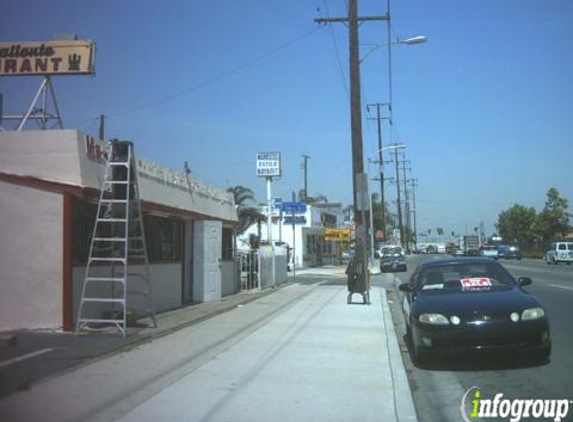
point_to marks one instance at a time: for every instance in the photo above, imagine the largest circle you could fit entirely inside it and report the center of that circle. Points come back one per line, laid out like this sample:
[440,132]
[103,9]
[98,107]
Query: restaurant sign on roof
[62,57]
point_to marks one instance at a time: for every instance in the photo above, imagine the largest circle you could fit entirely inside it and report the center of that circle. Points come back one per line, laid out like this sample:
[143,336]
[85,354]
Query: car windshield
[392,250]
[392,256]
[464,276]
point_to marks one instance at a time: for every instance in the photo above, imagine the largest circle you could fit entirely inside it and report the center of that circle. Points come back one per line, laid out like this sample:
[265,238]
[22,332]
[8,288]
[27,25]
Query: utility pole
[414,183]
[379,119]
[406,201]
[102,127]
[359,180]
[305,167]
[399,201]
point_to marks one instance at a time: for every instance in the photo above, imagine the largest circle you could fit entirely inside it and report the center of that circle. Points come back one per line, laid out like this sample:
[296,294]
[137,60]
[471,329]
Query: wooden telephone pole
[359,179]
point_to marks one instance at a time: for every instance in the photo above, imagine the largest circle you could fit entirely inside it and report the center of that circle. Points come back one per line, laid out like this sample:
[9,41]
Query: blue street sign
[294,207]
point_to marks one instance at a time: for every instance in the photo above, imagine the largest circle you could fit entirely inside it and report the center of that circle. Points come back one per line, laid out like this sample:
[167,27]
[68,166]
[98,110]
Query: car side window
[562,246]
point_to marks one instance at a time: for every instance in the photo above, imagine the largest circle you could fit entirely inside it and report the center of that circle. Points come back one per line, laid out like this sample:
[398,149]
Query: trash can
[356,281]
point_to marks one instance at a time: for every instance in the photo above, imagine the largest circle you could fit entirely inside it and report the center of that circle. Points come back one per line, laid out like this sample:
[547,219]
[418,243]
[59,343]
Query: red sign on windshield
[470,283]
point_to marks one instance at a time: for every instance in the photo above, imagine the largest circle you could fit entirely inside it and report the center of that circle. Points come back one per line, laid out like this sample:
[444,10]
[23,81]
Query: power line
[213,79]
[340,68]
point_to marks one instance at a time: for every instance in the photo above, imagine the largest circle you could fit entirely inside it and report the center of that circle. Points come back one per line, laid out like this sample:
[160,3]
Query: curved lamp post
[418,39]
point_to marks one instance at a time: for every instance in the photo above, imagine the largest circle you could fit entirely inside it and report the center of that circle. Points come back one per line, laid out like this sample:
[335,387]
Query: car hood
[458,301]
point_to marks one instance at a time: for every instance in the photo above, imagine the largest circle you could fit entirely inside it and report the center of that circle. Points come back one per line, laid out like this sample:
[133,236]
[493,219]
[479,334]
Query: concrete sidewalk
[30,356]
[103,349]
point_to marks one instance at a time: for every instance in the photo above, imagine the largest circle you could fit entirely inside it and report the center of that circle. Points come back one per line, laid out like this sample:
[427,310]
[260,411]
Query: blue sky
[484,106]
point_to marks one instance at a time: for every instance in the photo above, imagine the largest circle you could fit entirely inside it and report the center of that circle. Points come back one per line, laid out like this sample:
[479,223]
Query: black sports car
[393,262]
[473,305]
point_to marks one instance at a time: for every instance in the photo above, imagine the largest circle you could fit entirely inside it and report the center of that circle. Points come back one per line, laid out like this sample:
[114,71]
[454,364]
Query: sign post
[269,166]
[294,208]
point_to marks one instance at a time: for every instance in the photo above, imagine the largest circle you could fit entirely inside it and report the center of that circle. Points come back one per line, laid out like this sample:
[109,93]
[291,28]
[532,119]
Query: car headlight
[532,313]
[434,319]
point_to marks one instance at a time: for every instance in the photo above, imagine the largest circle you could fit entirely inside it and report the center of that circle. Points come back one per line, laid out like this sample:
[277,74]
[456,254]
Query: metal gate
[248,270]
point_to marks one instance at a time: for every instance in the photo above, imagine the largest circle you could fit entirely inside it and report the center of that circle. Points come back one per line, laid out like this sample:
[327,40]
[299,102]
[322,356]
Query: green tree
[246,214]
[553,221]
[516,225]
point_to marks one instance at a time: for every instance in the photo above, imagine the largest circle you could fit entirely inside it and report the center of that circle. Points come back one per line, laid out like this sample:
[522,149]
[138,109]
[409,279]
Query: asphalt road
[438,389]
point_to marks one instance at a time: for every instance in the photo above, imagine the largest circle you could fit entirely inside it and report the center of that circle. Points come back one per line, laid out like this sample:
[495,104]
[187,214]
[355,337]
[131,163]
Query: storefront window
[163,239]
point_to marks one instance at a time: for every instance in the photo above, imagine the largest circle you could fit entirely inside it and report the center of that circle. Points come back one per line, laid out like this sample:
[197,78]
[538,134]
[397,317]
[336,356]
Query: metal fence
[248,270]
[262,269]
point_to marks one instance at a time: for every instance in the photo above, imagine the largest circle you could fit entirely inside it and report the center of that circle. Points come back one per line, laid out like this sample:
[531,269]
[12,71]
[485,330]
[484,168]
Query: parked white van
[560,252]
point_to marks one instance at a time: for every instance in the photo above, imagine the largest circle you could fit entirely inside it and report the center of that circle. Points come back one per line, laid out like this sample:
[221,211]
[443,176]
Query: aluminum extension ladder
[117,248]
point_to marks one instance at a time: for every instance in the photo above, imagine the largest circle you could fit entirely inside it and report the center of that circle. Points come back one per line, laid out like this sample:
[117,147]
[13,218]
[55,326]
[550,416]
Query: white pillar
[269,212]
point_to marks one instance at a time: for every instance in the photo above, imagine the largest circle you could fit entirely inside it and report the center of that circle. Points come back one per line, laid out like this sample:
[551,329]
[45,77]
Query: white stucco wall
[62,156]
[229,277]
[31,245]
[31,228]
[44,154]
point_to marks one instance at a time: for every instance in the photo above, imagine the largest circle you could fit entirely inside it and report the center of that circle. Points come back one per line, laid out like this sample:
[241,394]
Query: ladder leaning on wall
[118,256]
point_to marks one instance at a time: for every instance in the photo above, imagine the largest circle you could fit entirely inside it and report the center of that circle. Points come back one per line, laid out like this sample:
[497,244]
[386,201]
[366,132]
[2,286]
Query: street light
[418,39]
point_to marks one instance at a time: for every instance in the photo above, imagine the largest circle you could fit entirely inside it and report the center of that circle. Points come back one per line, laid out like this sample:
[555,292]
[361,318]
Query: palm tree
[247,215]
[242,195]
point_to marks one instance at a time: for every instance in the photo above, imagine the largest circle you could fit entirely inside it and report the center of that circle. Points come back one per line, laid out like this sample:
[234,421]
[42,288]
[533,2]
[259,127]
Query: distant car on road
[513,252]
[390,250]
[348,255]
[393,263]
[489,251]
[472,305]
[509,252]
[559,252]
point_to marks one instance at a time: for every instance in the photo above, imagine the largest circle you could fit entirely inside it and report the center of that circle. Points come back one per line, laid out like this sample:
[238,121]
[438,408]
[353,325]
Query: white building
[49,189]
[306,236]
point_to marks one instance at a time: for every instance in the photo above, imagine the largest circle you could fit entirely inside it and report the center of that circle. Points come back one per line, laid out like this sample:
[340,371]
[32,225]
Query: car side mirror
[406,288]
[524,281]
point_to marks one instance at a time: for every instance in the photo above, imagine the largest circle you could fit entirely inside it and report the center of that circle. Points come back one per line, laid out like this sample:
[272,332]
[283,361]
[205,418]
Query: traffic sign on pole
[294,207]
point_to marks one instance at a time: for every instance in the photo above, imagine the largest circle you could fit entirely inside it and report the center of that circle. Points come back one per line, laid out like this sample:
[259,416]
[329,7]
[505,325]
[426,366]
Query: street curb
[403,400]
